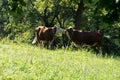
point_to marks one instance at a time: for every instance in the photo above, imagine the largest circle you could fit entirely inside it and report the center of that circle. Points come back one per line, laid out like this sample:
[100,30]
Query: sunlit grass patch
[28,62]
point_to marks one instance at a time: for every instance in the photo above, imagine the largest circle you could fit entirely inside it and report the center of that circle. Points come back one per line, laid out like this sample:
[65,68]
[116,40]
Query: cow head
[69,32]
[59,30]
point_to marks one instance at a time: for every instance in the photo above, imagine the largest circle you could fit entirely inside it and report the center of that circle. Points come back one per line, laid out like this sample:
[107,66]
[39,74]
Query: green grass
[27,62]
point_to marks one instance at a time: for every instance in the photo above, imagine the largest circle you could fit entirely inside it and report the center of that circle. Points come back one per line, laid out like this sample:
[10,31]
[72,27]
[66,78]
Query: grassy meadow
[28,62]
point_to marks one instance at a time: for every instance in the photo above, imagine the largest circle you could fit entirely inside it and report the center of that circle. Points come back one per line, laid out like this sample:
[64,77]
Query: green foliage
[112,10]
[18,18]
[41,5]
[25,62]
[16,6]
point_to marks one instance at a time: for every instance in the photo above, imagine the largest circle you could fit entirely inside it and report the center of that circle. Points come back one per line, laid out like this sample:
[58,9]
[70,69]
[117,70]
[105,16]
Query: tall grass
[27,62]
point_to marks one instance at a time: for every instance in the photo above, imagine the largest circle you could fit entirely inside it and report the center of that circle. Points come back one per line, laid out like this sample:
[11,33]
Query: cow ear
[37,29]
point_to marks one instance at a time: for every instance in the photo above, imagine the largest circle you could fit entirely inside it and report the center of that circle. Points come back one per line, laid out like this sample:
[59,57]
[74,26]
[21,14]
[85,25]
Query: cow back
[87,37]
[47,34]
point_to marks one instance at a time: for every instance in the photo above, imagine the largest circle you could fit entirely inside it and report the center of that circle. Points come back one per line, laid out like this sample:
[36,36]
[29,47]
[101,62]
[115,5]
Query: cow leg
[46,44]
[100,50]
[50,45]
[42,44]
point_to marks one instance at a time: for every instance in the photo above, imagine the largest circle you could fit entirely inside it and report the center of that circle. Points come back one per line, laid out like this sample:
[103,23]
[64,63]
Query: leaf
[22,3]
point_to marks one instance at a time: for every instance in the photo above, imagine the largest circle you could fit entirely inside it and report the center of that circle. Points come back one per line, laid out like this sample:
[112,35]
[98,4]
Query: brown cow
[80,37]
[46,34]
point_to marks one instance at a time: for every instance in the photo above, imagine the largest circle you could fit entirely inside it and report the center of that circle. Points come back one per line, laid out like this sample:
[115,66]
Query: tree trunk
[78,15]
[45,17]
[49,17]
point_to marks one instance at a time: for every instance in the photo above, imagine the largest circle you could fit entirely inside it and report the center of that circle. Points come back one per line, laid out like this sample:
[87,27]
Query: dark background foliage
[18,19]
